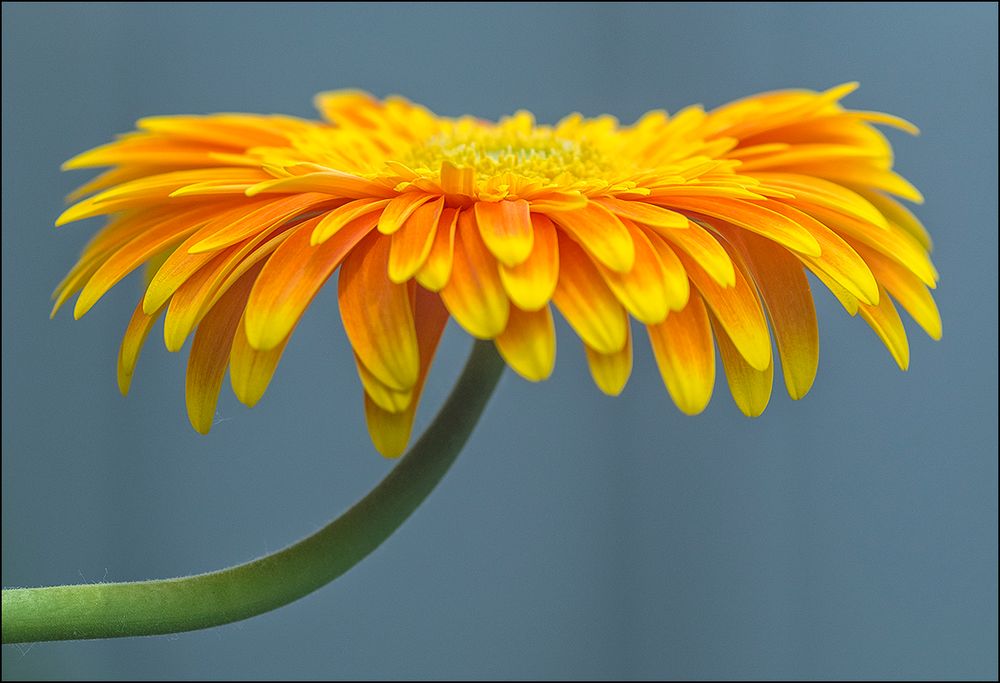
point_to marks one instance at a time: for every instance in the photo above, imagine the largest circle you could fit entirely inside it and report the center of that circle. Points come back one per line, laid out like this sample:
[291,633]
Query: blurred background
[849,535]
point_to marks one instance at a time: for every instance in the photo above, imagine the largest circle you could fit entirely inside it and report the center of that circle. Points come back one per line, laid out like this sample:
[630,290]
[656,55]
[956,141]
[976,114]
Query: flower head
[701,226]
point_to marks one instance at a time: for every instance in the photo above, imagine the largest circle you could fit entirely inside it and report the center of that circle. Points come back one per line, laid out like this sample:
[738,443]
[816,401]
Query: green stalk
[116,610]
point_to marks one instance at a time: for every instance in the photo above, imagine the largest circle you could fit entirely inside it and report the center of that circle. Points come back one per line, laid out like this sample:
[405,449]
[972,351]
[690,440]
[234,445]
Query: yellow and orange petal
[702,226]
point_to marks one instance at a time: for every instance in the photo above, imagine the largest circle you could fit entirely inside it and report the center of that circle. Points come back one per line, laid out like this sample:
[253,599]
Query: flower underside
[701,226]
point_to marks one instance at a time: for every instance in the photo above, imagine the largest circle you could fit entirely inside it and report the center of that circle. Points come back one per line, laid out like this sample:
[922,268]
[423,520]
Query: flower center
[538,153]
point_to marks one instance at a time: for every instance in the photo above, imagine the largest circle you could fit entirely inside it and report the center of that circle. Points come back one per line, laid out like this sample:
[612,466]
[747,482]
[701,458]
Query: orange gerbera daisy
[701,226]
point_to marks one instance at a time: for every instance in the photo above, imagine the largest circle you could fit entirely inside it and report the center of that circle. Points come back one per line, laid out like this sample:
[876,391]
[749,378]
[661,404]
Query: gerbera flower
[701,226]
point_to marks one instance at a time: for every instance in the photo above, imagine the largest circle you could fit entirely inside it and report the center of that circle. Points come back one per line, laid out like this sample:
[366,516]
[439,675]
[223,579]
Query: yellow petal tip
[81,308]
[201,425]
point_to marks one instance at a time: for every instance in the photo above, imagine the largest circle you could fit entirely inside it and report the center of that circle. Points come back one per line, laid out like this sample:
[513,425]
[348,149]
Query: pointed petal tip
[758,356]
[797,392]
[390,451]
[538,376]
[692,408]
[529,368]
[843,90]
[869,294]
[753,412]
[247,395]
[65,217]
[398,277]
[82,160]
[152,301]
[900,353]
[902,358]
[201,423]
[263,337]
[612,390]
[392,438]
[81,307]
[173,343]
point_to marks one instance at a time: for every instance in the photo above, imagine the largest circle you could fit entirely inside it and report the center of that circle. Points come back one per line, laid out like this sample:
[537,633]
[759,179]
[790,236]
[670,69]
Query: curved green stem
[115,610]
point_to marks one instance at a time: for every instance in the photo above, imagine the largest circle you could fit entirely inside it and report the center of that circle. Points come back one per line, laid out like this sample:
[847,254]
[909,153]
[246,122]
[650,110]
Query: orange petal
[334,183]
[230,130]
[210,352]
[645,213]
[704,248]
[601,233]
[530,284]
[812,152]
[528,344]
[154,189]
[122,229]
[132,343]
[587,303]
[906,288]
[738,311]
[201,291]
[377,315]
[457,181]
[863,175]
[183,263]
[898,214]
[769,221]
[225,217]
[785,290]
[551,202]
[399,209]
[842,265]
[109,178]
[684,352]
[75,280]
[250,369]
[390,432]
[130,256]
[384,396]
[750,387]
[138,152]
[291,278]
[474,294]
[434,273]
[412,243]
[886,120]
[611,370]
[884,320]
[846,299]
[824,193]
[893,242]
[332,222]
[675,277]
[644,290]
[505,227]
[153,265]
[175,271]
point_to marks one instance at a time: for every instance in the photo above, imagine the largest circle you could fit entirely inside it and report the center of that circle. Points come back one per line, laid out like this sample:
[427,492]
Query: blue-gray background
[852,534]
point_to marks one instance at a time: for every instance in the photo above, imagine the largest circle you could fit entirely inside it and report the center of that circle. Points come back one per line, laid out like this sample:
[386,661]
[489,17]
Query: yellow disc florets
[514,145]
